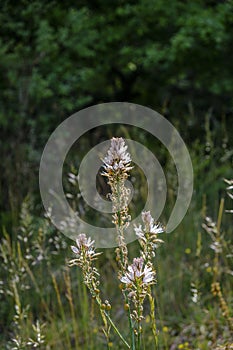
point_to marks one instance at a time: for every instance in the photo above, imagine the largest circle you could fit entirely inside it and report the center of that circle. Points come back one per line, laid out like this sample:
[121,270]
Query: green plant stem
[130,323]
[220,213]
[151,299]
[138,337]
[152,317]
[138,323]
[120,233]
[123,256]
[116,330]
[103,312]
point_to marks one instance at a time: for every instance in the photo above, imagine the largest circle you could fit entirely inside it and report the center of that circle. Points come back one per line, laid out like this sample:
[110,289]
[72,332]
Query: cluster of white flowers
[85,253]
[150,227]
[117,158]
[137,280]
[84,244]
[117,165]
[84,250]
[138,272]
[138,277]
[148,236]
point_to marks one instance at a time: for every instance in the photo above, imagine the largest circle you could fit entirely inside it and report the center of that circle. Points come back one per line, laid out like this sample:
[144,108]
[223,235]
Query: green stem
[116,329]
[130,323]
[152,317]
[120,234]
[139,336]
[103,312]
[138,323]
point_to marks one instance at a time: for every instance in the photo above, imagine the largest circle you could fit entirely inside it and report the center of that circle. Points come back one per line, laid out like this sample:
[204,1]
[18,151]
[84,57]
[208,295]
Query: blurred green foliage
[59,57]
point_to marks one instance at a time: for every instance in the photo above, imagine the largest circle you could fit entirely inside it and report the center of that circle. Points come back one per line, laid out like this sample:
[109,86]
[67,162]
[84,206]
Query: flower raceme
[85,253]
[149,223]
[138,272]
[149,226]
[136,278]
[117,161]
[116,165]
[148,235]
[85,248]
[83,242]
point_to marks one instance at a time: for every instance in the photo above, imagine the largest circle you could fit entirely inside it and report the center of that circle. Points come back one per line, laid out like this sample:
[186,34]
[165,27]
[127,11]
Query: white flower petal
[124,279]
[75,249]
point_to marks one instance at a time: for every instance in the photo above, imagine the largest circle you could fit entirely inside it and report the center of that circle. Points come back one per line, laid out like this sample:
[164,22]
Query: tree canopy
[59,57]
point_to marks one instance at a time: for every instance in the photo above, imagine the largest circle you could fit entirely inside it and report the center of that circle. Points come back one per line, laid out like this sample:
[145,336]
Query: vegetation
[59,57]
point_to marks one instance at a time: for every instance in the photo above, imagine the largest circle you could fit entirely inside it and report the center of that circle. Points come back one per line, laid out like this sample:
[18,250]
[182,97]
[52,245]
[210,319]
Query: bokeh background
[58,57]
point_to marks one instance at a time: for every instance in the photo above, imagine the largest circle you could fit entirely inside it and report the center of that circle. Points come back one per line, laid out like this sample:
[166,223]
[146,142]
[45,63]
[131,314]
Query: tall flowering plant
[136,278]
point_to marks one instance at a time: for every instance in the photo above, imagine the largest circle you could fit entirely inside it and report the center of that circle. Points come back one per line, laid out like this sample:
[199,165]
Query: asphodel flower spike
[138,274]
[84,249]
[148,235]
[117,161]
[137,278]
[85,252]
[116,165]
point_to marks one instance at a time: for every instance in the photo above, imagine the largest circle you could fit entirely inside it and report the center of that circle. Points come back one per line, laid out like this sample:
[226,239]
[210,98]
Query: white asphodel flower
[150,226]
[137,272]
[84,245]
[117,157]
[139,231]
[148,235]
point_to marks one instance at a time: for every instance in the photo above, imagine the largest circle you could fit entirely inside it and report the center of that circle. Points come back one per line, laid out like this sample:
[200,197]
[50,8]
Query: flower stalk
[149,241]
[86,254]
[136,278]
[117,165]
